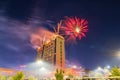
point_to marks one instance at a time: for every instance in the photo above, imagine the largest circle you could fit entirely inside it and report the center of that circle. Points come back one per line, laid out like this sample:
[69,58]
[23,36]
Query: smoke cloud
[16,35]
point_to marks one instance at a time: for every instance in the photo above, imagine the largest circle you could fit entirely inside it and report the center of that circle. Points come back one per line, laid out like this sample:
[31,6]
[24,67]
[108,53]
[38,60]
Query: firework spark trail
[40,36]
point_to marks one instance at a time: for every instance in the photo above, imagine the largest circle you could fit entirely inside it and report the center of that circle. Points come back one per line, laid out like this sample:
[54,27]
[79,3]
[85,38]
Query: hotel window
[60,42]
[61,51]
[61,63]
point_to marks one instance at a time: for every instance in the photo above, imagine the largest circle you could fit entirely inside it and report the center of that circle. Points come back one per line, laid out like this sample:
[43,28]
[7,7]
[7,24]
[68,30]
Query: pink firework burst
[75,28]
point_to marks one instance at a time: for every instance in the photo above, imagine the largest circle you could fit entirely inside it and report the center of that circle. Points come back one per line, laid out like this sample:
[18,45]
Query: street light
[99,69]
[108,66]
[39,62]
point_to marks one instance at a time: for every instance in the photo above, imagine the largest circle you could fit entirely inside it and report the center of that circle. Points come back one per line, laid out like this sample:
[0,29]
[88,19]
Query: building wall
[8,71]
[48,52]
[53,51]
[60,52]
[39,53]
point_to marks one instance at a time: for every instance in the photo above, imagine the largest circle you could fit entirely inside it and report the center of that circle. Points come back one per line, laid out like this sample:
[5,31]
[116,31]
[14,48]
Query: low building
[8,71]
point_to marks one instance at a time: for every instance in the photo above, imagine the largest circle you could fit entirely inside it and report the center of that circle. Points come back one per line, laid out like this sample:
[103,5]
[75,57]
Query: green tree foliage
[59,75]
[19,76]
[2,77]
[10,78]
[115,71]
[31,78]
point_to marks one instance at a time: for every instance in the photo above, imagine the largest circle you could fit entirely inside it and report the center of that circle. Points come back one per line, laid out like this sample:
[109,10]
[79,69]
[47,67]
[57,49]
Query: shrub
[59,75]
[19,76]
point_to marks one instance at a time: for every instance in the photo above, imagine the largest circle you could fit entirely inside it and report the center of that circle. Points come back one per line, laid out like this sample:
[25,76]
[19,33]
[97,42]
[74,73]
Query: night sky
[97,49]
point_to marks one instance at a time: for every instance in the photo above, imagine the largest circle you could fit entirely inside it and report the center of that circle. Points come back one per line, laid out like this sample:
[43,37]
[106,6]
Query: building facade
[53,51]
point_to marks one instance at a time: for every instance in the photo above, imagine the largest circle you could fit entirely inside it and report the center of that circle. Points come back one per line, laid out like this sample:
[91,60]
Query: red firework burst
[75,28]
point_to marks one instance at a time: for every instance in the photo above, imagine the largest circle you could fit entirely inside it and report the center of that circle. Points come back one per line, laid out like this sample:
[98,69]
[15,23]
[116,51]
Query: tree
[115,71]
[19,76]
[31,78]
[59,75]
[3,78]
[10,78]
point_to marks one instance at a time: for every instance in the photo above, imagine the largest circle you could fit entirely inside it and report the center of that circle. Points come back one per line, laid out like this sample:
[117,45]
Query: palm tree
[19,76]
[59,75]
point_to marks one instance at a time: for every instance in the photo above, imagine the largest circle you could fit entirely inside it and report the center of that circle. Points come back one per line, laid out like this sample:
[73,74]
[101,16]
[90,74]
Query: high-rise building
[53,51]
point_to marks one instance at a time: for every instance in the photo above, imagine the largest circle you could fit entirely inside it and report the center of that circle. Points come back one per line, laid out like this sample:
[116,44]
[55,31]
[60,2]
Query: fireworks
[41,36]
[75,28]
[71,28]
